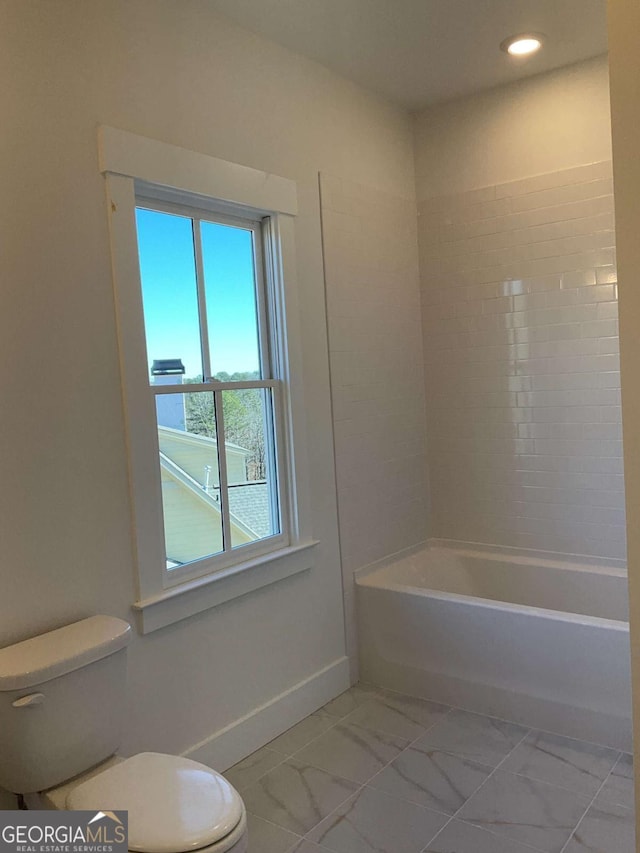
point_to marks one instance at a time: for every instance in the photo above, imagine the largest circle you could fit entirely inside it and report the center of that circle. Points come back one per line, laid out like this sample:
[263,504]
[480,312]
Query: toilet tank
[62,702]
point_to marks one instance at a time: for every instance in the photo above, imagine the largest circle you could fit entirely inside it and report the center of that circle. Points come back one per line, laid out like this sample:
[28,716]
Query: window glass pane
[190,480]
[169,292]
[248,424]
[230,290]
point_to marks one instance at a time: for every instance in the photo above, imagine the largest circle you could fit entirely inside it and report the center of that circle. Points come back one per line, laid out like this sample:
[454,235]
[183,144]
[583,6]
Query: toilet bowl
[61,706]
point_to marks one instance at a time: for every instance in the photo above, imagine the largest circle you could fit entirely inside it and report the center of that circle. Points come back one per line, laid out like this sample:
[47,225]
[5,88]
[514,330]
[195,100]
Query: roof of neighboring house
[193,438]
[250,502]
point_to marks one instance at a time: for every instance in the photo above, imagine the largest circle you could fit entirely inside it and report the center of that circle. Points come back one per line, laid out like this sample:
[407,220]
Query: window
[204,276]
[217,403]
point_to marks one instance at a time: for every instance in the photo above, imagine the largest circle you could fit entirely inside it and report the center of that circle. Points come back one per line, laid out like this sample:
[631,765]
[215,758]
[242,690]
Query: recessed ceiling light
[522,45]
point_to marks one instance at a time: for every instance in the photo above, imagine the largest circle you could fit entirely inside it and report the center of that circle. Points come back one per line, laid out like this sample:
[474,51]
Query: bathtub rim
[365,577]
[504,554]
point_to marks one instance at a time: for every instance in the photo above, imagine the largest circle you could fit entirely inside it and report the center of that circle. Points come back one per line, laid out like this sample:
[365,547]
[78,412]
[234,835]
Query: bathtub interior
[567,587]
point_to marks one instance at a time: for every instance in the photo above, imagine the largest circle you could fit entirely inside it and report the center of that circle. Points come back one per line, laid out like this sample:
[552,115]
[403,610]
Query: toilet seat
[175,805]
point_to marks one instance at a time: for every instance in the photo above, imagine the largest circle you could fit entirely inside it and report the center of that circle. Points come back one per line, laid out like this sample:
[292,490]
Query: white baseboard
[234,742]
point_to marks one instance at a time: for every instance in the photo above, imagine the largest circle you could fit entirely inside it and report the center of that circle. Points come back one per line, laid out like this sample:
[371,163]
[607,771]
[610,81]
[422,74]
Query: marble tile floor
[378,772]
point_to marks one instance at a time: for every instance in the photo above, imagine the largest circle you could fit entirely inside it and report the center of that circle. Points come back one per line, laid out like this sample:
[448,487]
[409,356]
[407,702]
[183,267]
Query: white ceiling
[419,52]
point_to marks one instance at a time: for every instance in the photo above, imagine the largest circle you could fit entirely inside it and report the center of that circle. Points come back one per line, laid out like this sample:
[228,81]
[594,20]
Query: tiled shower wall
[520,328]
[377,374]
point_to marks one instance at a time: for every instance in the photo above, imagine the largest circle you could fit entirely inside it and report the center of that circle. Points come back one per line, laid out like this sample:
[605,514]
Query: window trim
[131,165]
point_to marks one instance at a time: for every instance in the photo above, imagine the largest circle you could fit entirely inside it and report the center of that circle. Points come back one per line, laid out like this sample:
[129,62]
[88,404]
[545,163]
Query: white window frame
[137,168]
[153,200]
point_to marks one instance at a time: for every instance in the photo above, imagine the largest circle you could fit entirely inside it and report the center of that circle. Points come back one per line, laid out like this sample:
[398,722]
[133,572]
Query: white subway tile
[607,311]
[519,324]
[562,194]
[597,293]
[603,330]
[607,275]
[576,175]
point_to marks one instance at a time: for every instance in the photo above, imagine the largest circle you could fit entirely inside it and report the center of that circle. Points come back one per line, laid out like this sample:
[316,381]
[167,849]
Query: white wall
[519,301]
[171,70]
[543,124]
[377,376]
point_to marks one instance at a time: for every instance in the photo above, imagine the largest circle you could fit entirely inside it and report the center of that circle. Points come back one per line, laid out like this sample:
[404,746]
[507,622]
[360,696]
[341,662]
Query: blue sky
[167,269]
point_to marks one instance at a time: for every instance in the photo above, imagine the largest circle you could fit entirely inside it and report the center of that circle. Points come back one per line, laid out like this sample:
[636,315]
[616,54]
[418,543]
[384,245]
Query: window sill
[201,594]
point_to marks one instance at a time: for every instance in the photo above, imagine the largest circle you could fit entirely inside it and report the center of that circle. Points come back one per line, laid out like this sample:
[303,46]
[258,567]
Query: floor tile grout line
[485,715]
[336,775]
[333,811]
[501,719]
[525,847]
[286,758]
[359,787]
[375,731]
[299,837]
[621,756]
[481,785]
[313,740]
[586,811]
[448,710]
[615,801]
[409,746]
[282,757]
[337,718]
[555,784]
[531,730]
[288,755]
[331,728]
[262,775]
[365,784]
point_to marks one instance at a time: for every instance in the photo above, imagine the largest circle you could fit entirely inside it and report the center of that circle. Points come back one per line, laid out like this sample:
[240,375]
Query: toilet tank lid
[55,653]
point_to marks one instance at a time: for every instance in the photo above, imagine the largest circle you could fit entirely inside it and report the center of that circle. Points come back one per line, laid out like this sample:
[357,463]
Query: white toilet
[61,709]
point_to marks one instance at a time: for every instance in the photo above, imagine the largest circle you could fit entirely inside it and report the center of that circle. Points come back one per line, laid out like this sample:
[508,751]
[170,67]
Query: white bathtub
[540,642]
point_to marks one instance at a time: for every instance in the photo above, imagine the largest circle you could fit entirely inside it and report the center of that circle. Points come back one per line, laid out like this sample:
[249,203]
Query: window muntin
[217,405]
